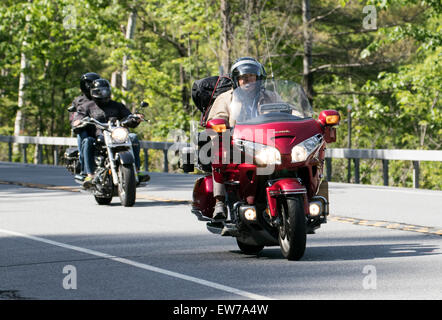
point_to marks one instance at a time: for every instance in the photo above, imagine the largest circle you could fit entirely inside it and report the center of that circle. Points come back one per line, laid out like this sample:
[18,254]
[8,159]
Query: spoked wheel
[248,248]
[292,232]
[127,185]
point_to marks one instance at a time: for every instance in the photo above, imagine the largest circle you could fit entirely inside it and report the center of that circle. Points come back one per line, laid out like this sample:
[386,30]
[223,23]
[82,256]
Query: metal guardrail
[24,141]
[385,155]
[353,154]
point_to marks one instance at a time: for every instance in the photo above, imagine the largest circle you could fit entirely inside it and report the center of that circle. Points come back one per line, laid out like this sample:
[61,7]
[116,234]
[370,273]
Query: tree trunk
[226,37]
[184,90]
[19,117]
[307,61]
[130,30]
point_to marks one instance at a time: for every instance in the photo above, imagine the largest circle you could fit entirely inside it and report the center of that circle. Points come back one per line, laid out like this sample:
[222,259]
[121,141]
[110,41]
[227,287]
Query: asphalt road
[58,244]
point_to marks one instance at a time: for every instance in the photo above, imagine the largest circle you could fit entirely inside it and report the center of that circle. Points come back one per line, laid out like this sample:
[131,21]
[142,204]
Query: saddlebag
[72,161]
[206,90]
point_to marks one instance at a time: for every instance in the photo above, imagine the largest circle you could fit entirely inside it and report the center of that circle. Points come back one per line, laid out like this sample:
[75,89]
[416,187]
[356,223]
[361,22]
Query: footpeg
[229,230]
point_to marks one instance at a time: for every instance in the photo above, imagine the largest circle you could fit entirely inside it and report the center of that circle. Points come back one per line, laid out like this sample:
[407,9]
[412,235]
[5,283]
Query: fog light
[250,214]
[315,209]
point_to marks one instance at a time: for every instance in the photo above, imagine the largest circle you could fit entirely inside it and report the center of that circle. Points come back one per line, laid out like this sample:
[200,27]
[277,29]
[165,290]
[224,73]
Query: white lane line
[141,266]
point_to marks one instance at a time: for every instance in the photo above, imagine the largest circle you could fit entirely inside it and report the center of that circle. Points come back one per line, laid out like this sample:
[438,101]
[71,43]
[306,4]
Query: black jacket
[78,101]
[112,109]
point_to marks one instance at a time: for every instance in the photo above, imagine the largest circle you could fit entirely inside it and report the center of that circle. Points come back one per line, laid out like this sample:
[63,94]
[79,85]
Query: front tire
[127,185]
[248,248]
[292,232]
[103,201]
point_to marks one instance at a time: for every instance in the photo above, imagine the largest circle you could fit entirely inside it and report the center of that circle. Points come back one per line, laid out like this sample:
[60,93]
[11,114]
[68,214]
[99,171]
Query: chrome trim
[290,191]
[115,145]
[200,215]
[214,229]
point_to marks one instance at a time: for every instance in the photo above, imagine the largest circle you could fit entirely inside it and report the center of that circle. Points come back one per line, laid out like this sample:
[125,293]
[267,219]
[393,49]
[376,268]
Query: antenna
[268,52]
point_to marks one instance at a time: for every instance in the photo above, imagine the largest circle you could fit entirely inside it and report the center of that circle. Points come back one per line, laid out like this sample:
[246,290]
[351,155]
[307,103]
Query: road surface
[57,243]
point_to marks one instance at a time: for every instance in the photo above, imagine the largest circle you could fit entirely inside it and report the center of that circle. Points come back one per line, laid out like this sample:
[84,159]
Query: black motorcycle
[115,171]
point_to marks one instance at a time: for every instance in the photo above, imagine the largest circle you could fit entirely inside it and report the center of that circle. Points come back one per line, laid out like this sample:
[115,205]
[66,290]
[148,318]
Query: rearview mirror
[72,108]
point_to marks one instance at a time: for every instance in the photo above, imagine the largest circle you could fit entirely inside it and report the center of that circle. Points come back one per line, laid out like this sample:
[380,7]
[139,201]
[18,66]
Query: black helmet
[100,91]
[247,65]
[86,81]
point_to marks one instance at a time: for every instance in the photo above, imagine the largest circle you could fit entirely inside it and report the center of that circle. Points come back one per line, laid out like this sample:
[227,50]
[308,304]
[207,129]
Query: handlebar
[88,120]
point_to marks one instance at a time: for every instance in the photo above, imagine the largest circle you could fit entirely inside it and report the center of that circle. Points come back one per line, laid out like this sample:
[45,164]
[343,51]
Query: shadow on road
[356,252]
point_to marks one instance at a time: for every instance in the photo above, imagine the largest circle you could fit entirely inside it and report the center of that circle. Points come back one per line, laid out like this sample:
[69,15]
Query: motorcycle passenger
[85,86]
[102,109]
[247,75]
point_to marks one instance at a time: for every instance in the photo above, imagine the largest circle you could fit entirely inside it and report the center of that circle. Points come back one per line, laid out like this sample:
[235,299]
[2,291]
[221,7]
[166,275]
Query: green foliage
[390,75]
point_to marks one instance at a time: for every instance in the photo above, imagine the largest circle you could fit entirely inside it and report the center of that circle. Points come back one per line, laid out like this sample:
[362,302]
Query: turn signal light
[219,128]
[334,119]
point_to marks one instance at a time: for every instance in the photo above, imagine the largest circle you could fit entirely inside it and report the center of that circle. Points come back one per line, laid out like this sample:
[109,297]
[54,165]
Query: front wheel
[127,185]
[292,231]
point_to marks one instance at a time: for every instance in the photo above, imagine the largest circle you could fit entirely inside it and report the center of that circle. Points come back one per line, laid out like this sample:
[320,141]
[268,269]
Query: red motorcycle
[271,163]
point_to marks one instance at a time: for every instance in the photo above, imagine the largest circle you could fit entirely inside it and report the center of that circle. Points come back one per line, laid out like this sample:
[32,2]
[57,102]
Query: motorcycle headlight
[120,135]
[268,155]
[263,154]
[303,150]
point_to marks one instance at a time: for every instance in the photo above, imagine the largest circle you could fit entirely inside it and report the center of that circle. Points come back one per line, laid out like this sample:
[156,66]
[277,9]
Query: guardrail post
[385,171]
[329,168]
[25,158]
[356,170]
[10,151]
[55,155]
[349,170]
[39,153]
[416,174]
[166,161]
[146,159]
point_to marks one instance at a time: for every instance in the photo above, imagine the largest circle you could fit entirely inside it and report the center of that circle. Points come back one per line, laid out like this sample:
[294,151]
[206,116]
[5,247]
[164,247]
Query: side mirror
[144,104]
[217,125]
[329,118]
[72,108]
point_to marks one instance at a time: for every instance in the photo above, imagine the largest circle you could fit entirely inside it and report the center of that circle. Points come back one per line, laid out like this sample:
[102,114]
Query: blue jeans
[87,147]
[80,136]
[136,148]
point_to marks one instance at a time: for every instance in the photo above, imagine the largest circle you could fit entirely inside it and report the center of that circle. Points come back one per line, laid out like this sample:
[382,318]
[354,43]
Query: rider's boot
[220,212]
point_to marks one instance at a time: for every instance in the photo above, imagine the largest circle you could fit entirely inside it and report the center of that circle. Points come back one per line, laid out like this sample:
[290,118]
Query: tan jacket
[221,107]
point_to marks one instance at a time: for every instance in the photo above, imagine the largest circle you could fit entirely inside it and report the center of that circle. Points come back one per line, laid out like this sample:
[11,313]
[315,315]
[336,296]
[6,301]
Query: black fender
[125,157]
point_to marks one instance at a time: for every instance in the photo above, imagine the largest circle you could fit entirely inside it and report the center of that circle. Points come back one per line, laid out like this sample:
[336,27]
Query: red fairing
[287,186]
[329,134]
[247,179]
[284,135]
[203,199]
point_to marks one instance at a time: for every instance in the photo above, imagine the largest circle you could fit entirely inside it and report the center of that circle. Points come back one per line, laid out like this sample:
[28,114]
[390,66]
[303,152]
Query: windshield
[271,98]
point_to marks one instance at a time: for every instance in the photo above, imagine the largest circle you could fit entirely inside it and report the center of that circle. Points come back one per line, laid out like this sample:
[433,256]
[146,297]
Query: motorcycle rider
[239,104]
[103,108]
[85,85]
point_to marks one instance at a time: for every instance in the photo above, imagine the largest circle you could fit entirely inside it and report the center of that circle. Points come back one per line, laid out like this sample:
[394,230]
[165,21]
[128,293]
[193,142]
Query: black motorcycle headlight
[120,135]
